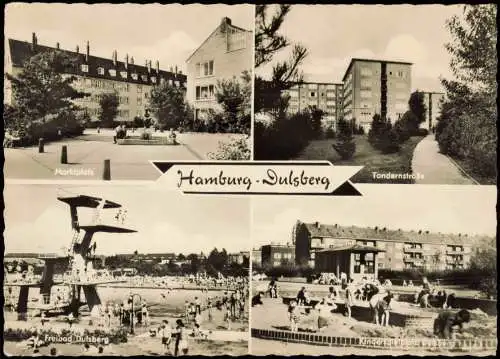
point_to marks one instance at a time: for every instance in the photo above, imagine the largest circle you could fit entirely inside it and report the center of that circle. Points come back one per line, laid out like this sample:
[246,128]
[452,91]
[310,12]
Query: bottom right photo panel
[400,270]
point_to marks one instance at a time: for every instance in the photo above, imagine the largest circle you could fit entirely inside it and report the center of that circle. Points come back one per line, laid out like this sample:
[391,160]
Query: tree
[466,128]
[344,145]
[484,260]
[234,97]
[417,107]
[108,110]
[316,117]
[42,89]
[168,106]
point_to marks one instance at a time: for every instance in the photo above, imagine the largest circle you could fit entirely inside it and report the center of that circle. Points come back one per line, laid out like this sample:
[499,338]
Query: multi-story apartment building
[275,255]
[97,76]
[378,248]
[327,97]
[376,87]
[433,102]
[224,55]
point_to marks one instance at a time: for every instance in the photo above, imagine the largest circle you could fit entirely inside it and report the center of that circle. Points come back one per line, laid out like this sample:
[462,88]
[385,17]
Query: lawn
[366,155]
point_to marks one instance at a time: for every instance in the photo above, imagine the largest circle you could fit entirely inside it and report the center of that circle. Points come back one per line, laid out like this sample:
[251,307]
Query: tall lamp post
[132,313]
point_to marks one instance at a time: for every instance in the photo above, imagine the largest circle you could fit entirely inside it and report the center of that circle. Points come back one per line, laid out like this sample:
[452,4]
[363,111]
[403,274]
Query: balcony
[416,261]
[454,252]
[413,250]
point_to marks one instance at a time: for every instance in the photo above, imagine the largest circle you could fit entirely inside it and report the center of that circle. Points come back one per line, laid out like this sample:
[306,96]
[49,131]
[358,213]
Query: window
[171,82]
[366,94]
[177,84]
[312,94]
[277,255]
[205,92]
[144,78]
[153,79]
[366,71]
[330,94]
[84,68]
[123,74]
[100,70]
[112,72]
[135,76]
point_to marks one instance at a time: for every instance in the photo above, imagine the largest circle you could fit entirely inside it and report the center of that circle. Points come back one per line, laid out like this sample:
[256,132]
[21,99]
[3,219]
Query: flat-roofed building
[376,87]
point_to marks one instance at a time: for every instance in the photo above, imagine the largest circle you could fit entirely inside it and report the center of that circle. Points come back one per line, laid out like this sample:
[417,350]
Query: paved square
[86,155]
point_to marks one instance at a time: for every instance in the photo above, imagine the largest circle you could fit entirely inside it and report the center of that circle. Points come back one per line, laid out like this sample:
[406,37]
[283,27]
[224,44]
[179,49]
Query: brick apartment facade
[396,249]
[275,255]
[97,76]
[224,55]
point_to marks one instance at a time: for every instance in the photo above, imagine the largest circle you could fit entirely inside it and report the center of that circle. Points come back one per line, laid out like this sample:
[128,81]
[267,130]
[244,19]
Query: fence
[476,344]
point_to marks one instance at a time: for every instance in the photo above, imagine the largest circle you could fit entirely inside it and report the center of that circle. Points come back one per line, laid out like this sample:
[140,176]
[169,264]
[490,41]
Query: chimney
[126,62]
[87,53]
[57,46]
[131,60]
[34,41]
[176,69]
[225,21]
[77,49]
[318,225]
[114,57]
[157,67]
[148,64]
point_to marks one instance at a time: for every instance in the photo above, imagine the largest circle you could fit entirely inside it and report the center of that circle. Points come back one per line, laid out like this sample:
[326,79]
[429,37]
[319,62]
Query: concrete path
[432,167]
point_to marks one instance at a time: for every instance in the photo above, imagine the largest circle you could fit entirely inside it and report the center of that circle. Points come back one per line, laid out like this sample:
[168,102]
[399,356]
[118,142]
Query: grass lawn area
[471,170]
[366,155]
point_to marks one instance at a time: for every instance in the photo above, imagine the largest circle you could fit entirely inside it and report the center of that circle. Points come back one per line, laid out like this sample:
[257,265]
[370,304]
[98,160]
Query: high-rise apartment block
[376,87]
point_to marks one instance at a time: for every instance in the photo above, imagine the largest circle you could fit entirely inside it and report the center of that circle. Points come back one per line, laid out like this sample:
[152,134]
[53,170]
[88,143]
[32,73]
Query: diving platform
[88,202]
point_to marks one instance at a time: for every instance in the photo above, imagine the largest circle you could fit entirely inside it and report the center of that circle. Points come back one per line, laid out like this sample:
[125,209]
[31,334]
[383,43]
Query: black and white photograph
[346,277]
[95,91]
[408,91]
[124,270]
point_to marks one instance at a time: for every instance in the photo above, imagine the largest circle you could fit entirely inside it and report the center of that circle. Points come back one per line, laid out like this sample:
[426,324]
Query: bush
[236,149]
[383,136]
[329,133]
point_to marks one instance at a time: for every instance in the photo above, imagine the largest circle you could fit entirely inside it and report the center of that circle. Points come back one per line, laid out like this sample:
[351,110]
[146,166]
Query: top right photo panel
[407,91]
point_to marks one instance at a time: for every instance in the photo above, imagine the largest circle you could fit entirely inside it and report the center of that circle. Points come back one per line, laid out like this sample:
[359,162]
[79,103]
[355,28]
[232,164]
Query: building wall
[228,52]
[256,257]
[324,96]
[277,255]
[433,102]
[363,92]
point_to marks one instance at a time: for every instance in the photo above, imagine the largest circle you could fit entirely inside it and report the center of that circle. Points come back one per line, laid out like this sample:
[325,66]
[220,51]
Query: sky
[446,209]
[167,33]
[165,221]
[334,34]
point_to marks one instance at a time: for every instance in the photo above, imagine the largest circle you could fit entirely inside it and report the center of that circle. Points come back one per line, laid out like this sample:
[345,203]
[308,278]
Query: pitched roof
[225,22]
[354,232]
[21,52]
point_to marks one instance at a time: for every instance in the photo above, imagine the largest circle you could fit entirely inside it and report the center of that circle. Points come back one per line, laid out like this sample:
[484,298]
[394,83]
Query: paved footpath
[435,167]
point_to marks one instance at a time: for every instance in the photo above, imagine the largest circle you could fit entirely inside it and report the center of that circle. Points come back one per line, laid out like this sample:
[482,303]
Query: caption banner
[258,178]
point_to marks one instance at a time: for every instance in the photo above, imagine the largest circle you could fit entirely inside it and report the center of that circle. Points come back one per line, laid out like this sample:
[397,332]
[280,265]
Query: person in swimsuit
[181,344]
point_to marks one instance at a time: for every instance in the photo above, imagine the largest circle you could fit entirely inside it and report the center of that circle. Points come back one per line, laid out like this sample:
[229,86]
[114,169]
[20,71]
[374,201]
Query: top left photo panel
[96,92]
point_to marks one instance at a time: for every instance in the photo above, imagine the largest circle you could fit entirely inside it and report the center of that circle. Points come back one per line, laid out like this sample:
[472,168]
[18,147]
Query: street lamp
[131,299]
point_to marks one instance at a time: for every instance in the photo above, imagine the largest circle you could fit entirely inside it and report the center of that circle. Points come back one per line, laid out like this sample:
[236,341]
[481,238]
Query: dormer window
[177,83]
[153,79]
[84,68]
[144,78]
[170,82]
[124,74]
[100,70]
[112,73]
[135,76]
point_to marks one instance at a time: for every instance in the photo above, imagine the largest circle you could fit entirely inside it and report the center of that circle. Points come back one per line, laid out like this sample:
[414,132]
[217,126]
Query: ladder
[74,240]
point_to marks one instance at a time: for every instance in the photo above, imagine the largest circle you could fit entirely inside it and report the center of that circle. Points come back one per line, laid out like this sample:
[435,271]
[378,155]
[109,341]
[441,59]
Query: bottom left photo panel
[124,270]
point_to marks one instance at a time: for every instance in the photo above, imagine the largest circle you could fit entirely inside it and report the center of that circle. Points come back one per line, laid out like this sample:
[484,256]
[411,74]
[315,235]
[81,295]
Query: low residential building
[237,258]
[393,249]
[225,54]
[97,76]
[275,255]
